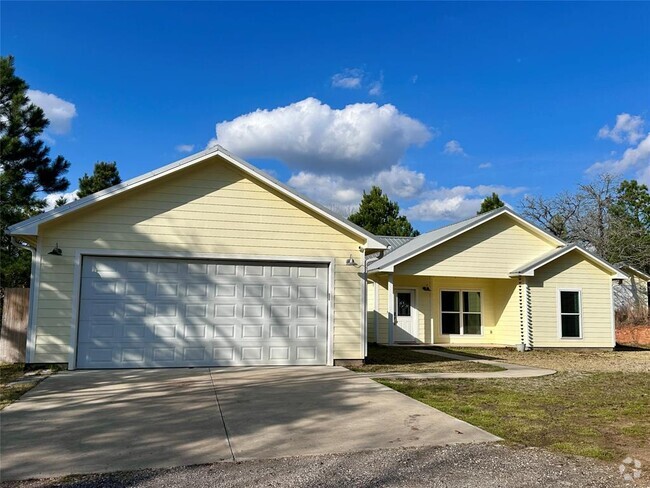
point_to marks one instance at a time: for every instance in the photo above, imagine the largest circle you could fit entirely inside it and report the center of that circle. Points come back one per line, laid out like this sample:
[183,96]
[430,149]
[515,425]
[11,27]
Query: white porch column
[525,314]
[391,308]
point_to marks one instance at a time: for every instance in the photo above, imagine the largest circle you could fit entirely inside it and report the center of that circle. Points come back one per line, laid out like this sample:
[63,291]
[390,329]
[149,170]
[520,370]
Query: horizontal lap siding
[492,250]
[500,310]
[572,271]
[211,208]
[499,300]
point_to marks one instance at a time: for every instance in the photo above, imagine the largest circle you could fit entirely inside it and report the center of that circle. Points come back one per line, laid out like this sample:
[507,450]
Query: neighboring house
[493,279]
[206,261]
[211,262]
[631,293]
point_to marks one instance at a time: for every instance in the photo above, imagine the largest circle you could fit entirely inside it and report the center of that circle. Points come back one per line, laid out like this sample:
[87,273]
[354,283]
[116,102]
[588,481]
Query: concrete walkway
[104,421]
[511,370]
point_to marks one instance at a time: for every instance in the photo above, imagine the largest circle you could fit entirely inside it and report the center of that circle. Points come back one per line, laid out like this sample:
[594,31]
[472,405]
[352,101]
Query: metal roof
[528,269]
[30,226]
[435,237]
[394,242]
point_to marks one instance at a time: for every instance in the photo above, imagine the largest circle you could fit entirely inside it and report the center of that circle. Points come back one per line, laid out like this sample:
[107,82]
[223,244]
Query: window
[403,304]
[570,313]
[460,312]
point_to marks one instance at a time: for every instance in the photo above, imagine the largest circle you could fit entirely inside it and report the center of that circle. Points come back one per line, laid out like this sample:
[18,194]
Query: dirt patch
[625,361]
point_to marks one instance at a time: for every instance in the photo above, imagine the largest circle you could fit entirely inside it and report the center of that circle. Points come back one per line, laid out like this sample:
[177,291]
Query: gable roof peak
[30,226]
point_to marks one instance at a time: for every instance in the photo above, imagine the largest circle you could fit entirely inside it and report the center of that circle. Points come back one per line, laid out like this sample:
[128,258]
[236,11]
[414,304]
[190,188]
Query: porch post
[391,308]
[525,316]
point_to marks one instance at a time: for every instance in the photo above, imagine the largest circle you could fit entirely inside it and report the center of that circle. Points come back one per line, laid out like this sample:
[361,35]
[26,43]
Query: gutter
[22,245]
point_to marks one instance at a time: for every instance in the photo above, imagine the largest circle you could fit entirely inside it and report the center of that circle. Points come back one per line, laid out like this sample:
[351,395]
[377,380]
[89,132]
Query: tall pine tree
[490,203]
[379,215]
[26,170]
[104,176]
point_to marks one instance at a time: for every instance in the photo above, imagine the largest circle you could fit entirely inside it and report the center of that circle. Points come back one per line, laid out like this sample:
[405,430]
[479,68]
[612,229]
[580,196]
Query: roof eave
[30,226]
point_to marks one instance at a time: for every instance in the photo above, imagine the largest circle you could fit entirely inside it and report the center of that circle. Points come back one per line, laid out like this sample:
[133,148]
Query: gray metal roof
[30,226]
[637,271]
[433,238]
[394,242]
[529,268]
[545,258]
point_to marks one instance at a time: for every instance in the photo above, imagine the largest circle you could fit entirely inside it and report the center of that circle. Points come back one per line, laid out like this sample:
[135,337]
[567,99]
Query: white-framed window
[570,313]
[460,312]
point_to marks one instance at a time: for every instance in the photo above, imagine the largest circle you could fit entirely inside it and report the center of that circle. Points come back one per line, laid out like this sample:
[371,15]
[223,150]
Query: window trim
[559,314]
[460,312]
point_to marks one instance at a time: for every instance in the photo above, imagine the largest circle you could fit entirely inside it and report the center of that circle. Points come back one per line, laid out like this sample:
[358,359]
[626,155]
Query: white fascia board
[30,226]
[390,266]
[530,270]
[638,272]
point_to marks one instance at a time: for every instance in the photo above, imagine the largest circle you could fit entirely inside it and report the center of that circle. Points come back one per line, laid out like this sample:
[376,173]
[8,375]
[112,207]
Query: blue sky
[439,103]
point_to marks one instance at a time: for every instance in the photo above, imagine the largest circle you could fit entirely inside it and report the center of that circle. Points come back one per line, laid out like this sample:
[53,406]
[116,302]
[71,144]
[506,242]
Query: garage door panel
[161,313]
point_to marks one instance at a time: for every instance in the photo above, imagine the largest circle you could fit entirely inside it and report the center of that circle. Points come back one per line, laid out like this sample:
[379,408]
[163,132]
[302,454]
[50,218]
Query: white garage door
[144,313]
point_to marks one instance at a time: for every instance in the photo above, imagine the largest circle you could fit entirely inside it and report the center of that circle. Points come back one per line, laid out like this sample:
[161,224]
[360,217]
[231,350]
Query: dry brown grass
[628,360]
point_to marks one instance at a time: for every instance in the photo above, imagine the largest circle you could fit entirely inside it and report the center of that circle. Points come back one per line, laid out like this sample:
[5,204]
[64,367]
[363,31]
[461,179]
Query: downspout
[23,246]
[364,298]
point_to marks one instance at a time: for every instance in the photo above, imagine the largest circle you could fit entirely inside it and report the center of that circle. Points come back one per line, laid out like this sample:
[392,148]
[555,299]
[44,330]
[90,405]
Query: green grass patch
[599,415]
[12,372]
[387,359]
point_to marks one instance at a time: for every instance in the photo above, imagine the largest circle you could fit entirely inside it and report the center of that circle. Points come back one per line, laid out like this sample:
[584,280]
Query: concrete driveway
[99,421]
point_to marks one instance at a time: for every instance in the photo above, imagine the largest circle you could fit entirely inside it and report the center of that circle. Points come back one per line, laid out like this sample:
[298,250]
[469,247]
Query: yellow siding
[500,302]
[491,250]
[572,271]
[209,208]
[370,300]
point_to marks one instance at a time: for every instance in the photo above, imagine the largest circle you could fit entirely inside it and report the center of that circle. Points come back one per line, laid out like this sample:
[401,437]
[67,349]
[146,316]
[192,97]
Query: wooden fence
[13,335]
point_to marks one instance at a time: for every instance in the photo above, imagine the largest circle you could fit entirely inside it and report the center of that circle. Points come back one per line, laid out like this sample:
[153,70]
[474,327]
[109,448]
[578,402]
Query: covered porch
[416,309]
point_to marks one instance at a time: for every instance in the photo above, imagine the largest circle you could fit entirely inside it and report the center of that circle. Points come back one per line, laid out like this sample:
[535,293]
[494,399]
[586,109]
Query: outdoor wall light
[350,261]
[426,288]
[56,251]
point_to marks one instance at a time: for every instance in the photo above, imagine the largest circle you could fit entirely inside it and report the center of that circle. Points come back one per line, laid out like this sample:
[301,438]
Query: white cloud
[349,78]
[414,79]
[485,166]
[185,148]
[50,200]
[58,111]
[376,88]
[635,159]
[628,128]
[453,208]
[454,147]
[456,203]
[333,190]
[311,136]
[644,176]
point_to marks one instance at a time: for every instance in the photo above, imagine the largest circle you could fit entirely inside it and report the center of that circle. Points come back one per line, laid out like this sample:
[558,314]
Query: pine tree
[104,176]
[379,215]
[27,171]
[491,202]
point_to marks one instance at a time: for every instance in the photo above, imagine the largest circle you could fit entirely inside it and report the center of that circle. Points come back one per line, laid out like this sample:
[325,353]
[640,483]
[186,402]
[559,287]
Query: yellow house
[494,279]
[210,262]
[207,261]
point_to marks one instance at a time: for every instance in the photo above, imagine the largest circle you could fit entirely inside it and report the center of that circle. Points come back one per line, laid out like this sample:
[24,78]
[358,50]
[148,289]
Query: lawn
[12,372]
[9,373]
[596,405]
[385,359]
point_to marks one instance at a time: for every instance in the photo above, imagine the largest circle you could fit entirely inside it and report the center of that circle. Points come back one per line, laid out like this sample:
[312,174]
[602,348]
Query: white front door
[405,317]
